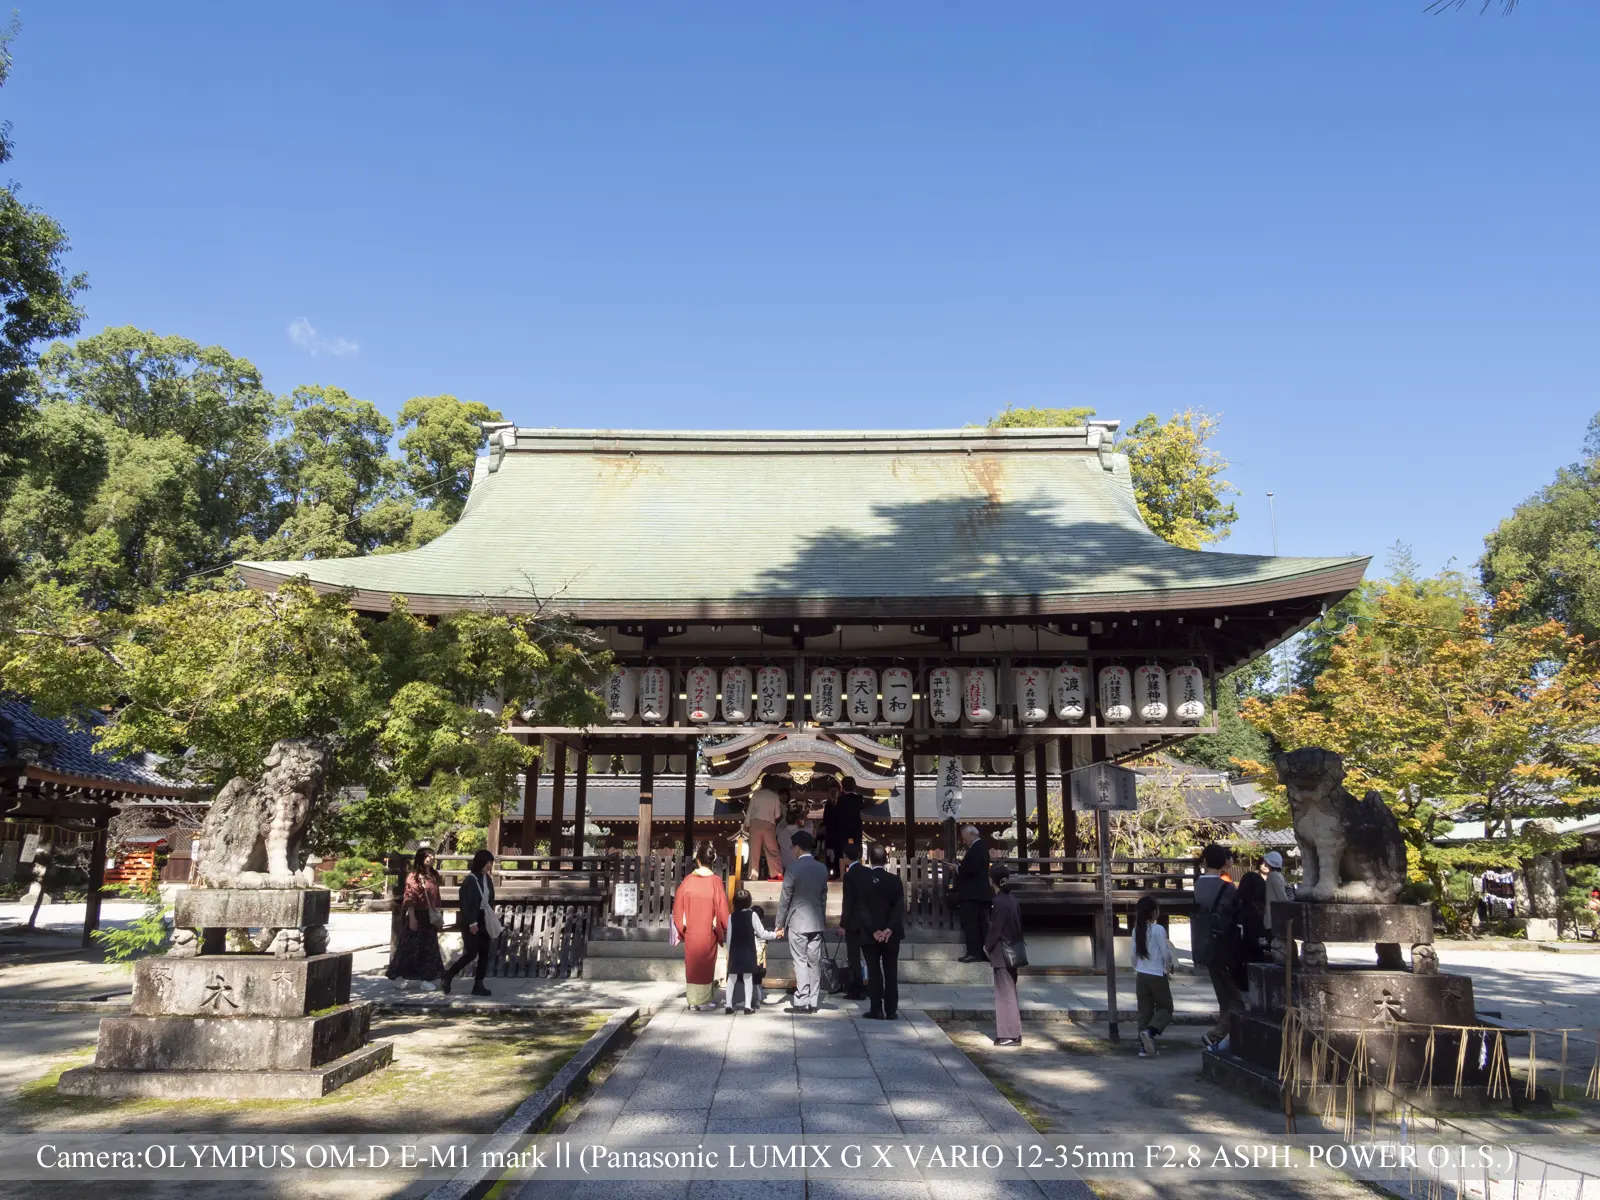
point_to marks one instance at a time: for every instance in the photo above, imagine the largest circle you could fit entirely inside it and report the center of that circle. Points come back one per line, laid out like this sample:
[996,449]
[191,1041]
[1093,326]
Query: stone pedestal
[284,922]
[1388,1013]
[240,1026]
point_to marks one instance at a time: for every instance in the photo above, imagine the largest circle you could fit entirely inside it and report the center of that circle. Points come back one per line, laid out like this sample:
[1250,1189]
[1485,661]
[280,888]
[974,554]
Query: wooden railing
[1127,874]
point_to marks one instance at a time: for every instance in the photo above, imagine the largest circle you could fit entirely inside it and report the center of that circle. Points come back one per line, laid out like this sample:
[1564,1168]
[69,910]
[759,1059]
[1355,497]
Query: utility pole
[1272,514]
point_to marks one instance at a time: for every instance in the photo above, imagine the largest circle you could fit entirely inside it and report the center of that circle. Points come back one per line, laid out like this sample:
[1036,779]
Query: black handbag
[833,973]
[1014,954]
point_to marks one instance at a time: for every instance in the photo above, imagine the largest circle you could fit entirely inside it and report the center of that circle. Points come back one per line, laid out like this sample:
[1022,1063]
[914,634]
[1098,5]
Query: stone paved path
[771,1073]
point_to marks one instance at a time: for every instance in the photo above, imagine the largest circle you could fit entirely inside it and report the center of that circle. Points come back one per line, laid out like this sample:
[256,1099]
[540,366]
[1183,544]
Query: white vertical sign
[950,781]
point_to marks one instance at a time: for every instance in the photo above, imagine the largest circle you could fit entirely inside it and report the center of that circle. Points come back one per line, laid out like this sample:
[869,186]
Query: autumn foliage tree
[1484,718]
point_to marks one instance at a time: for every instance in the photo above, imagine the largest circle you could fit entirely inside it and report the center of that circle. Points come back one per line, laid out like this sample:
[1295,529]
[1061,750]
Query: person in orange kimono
[700,915]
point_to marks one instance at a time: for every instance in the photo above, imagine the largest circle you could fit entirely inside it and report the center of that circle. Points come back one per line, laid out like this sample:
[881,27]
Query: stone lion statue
[1352,851]
[252,832]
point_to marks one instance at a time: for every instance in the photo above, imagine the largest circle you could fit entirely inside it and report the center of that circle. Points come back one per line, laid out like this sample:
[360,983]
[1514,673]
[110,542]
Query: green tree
[37,295]
[1177,476]
[439,447]
[1549,546]
[1236,741]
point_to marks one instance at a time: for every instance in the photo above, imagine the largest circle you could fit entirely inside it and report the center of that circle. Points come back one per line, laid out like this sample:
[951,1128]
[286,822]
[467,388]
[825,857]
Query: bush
[1575,910]
[149,933]
[352,874]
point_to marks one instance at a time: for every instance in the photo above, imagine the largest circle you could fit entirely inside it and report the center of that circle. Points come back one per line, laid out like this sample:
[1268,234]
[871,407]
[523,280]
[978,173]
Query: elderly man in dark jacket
[974,894]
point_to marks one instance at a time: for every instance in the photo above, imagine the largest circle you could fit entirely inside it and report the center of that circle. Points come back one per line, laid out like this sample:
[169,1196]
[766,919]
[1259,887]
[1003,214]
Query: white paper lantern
[1150,694]
[980,695]
[1003,764]
[1186,686]
[897,695]
[1052,757]
[655,694]
[700,694]
[1032,687]
[772,695]
[825,701]
[736,695]
[861,698]
[1070,691]
[1116,695]
[622,694]
[944,695]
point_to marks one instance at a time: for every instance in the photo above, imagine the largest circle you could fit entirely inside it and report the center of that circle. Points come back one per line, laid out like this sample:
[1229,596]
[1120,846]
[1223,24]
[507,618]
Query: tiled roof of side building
[68,748]
[703,526]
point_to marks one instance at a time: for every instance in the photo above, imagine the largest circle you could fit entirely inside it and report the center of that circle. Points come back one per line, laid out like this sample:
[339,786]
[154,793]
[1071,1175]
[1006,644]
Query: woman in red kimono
[700,916]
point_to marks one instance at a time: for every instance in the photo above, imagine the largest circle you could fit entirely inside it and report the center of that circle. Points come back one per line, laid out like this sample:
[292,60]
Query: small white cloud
[302,334]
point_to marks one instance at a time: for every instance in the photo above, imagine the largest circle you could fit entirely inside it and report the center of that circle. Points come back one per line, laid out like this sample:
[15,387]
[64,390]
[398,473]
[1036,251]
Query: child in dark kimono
[745,931]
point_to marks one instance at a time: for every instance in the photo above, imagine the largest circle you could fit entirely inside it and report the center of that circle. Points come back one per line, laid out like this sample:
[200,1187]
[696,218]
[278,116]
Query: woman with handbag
[1007,952]
[416,954]
[479,923]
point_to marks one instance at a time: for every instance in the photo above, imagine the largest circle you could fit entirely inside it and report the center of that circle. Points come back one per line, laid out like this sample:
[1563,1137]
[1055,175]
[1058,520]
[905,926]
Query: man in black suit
[974,894]
[847,822]
[881,912]
[850,925]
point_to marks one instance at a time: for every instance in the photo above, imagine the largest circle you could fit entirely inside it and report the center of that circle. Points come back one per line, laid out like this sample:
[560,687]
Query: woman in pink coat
[700,915]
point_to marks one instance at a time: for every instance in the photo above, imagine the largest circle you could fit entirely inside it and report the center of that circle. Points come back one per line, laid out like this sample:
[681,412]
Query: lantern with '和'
[1116,699]
[655,694]
[1150,692]
[1187,687]
[622,694]
[861,702]
[825,695]
[1070,690]
[980,695]
[736,695]
[700,693]
[1033,694]
[772,695]
[944,695]
[897,695]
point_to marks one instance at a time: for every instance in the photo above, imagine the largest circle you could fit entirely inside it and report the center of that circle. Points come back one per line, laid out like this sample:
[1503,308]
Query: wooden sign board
[1104,786]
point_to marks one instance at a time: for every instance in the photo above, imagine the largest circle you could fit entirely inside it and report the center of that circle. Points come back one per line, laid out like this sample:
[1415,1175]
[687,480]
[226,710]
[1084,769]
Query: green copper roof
[612,525]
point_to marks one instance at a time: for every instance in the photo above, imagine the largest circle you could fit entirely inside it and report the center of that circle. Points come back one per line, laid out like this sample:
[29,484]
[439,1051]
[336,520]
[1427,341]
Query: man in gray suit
[802,916]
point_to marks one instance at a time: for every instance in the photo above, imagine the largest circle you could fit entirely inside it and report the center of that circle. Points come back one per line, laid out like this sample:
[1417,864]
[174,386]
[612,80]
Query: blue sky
[1363,234]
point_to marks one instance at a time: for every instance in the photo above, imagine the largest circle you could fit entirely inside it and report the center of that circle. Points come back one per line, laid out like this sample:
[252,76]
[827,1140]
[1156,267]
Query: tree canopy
[1177,475]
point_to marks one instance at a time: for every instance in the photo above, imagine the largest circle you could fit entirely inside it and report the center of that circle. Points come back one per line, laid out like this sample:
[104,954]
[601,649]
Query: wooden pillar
[909,758]
[688,800]
[1020,786]
[97,879]
[494,829]
[1071,845]
[647,796]
[1108,918]
[530,802]
[558,798]
[1041,807]
[580,797]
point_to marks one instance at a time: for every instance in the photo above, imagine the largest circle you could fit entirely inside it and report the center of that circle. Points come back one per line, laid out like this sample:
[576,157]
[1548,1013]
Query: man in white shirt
[761,823]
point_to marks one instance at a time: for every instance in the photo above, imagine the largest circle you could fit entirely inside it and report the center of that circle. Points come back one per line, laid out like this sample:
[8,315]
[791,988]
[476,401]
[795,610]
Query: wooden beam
[688,806]
[580,799]
[558,788]
[97,882]
[647,800]
[1069,819]
[1041,792]
[1019,780]
[910,761]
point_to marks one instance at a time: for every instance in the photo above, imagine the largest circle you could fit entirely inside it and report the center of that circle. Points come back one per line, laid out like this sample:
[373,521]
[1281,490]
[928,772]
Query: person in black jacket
[476,900]
[850,925]
[880,907]
[974,894]
[847,823]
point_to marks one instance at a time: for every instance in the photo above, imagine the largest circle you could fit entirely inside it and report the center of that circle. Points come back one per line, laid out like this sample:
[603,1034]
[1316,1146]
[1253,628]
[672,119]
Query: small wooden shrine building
[843,606]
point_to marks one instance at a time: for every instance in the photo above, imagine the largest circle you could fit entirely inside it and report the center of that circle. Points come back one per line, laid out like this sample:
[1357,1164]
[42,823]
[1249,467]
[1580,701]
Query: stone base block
[110,1083]
[240,985]
[232,1044]
[243,908]
[1405,924]
[1357,996]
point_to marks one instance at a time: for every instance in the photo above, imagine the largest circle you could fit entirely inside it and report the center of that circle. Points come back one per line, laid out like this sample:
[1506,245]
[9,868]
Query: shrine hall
[837,611]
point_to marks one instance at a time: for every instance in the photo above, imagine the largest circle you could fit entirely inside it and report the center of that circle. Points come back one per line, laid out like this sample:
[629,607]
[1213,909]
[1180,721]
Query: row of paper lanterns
[1146,695]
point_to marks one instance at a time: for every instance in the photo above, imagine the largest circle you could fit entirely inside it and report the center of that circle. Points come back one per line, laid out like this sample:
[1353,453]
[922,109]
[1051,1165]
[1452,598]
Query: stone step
[780,970]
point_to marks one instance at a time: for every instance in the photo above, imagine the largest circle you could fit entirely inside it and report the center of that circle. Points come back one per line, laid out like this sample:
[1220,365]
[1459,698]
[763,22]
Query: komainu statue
[1352,851]
[252,833]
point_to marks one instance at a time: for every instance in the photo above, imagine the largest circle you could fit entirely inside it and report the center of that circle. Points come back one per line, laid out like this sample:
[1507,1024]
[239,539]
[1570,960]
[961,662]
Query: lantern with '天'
[825,703]
[655,694]
[944,695]
[1187,688]
[1032,686]
[861,699]
[736,695]
[897,692]
[1070,691]
[772,695]
[1150,694]
[622,694]
[1116,695]
[980,695]
[700,694]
